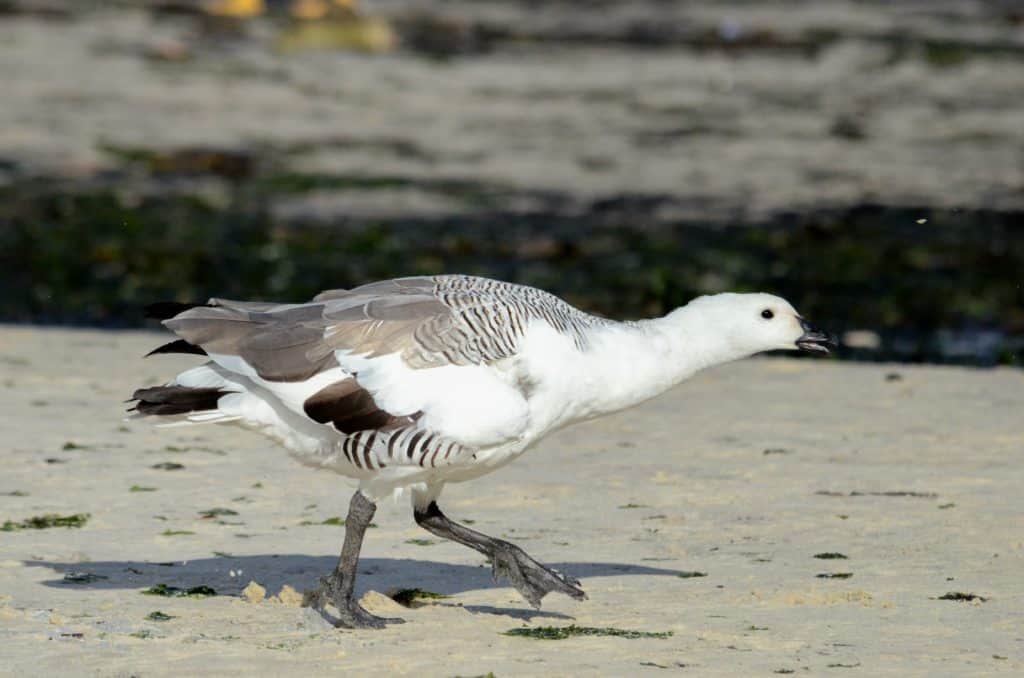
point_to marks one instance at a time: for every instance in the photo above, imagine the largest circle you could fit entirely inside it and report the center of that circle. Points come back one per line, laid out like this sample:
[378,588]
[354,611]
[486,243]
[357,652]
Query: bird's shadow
[228,575]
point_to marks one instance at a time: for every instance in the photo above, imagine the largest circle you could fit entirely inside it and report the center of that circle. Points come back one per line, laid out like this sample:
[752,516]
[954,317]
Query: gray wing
[430,321]
[280,342]
[444,320]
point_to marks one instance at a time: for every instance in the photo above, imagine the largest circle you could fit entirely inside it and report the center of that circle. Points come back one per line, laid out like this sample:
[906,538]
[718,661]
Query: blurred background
[864,159]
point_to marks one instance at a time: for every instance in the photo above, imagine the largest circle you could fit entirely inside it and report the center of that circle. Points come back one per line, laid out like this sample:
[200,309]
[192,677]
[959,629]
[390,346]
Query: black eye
[767,314]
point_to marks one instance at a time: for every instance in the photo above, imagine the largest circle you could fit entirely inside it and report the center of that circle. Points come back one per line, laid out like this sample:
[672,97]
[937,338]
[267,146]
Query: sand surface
[744,473]
[865,117]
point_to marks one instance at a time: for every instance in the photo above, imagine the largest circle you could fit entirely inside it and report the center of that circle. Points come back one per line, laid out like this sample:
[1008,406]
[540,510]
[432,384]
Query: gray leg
[338,587]
[531,579]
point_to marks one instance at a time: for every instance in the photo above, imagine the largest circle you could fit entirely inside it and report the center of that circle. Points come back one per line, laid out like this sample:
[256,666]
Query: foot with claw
[530,578]
[351,615]
[338,588]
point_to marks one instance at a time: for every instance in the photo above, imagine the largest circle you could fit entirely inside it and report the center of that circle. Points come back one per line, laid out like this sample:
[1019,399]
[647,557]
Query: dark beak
[814,340]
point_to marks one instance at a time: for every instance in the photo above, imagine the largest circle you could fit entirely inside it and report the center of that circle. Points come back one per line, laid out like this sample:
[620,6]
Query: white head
[744,324]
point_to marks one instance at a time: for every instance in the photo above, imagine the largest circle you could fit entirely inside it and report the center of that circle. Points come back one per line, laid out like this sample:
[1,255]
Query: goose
[409,384]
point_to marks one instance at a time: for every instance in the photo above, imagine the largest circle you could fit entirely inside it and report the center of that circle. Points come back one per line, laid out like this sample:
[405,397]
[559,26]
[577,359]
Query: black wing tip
[164,310]
[178,346]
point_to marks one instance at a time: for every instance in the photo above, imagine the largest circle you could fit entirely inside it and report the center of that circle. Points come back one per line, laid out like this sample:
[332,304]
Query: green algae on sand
[175,592]
[563,632]
[412,597]
[46,521]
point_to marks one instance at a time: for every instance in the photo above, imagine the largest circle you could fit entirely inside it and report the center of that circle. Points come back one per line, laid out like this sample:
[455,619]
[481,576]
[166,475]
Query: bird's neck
[632,362]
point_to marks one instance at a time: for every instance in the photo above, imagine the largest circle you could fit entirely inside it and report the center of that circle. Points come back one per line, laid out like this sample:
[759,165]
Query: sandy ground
[747,132]
[744,473]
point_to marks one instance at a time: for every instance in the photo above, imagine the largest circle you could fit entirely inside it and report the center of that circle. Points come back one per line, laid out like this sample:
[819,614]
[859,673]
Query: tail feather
[164,400]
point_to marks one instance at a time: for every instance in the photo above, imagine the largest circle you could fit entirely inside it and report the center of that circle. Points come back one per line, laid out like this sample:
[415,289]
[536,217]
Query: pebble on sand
[379,604]
[288,596]
[254,593]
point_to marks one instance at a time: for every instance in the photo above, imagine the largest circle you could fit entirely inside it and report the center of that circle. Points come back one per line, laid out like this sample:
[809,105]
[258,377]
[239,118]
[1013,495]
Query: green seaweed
[691,574]
[633,506]
[834,575]
[563,632]
[410,597]
[214,512]
[93,250]
[421,542]
[175,592]
[14,493]
[46,521]
[175,533]
[140,488]
[168,466]
[830,555]
[70,445]
[963,597]
[159,616]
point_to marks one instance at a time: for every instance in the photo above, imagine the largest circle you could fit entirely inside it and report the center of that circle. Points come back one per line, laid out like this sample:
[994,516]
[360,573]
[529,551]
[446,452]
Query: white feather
[474,405]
